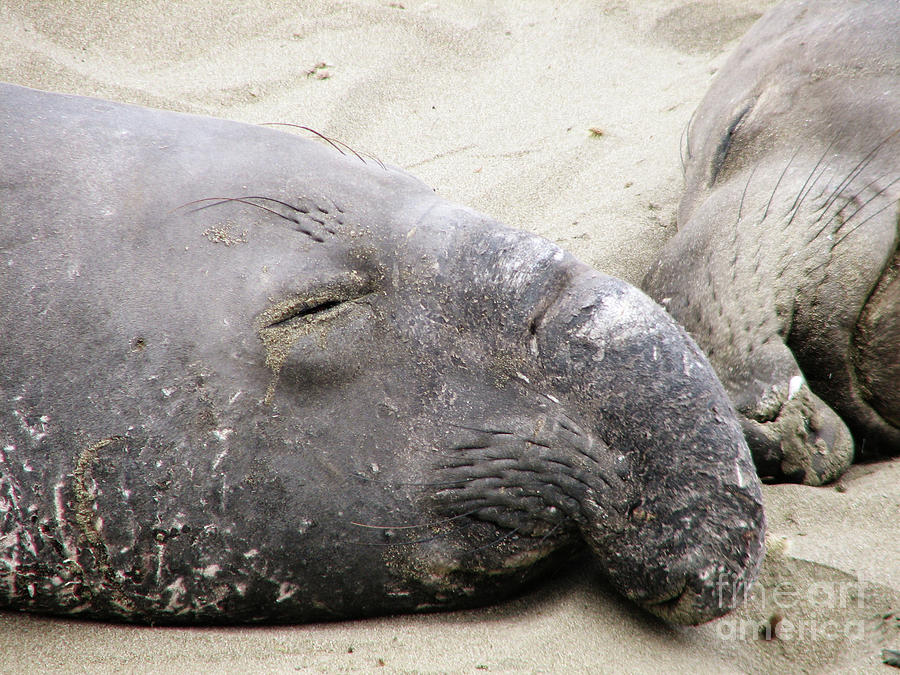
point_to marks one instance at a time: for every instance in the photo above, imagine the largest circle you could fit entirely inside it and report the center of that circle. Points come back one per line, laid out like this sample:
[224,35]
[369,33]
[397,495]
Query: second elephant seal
[785,265]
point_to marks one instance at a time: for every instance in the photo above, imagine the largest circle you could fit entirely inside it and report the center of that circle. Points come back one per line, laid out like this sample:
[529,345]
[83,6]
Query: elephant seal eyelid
[296,313]
[721,153]
[308,304]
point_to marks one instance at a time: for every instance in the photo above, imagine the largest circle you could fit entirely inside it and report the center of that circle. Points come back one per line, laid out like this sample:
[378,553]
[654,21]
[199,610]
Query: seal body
[785,265]
[244,378]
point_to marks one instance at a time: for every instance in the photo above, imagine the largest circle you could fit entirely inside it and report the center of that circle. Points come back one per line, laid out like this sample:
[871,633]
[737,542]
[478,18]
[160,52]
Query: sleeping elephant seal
[246,378]
[785,265]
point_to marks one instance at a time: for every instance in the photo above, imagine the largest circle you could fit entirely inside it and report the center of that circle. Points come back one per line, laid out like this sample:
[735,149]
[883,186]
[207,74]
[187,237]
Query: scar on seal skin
[373,402]
[785,265]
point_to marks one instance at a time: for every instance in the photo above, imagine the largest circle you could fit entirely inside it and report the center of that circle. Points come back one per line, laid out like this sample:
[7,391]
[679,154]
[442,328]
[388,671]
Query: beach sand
[562,120]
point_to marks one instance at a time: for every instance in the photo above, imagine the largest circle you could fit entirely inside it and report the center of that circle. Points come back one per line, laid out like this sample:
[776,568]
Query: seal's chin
[697,588]
[691,579]
[681,608]
[700,597]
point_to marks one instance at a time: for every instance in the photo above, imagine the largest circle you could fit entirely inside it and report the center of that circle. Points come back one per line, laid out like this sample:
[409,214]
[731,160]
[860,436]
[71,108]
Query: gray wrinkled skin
[339,396]
[785,266]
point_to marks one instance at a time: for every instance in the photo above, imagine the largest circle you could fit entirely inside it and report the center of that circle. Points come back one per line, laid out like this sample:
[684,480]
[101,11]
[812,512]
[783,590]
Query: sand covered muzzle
[246,378]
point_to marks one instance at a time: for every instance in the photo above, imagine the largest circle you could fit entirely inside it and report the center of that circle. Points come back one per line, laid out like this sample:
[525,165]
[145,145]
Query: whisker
[864,221]
[838,211]
[331,141]
[497,541]
[856,227]
[275,201]
[435,523]
[218,201]
[397,484]
[744,193]
[862,164]
[494,432]
[804,191]
[775,190]
[552,530]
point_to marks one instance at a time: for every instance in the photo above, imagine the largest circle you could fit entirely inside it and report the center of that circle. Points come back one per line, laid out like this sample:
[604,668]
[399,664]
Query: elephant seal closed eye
[785,266]
[246,378]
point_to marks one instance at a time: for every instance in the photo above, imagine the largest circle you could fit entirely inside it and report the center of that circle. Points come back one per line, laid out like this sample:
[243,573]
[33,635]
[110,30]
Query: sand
[564,119]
